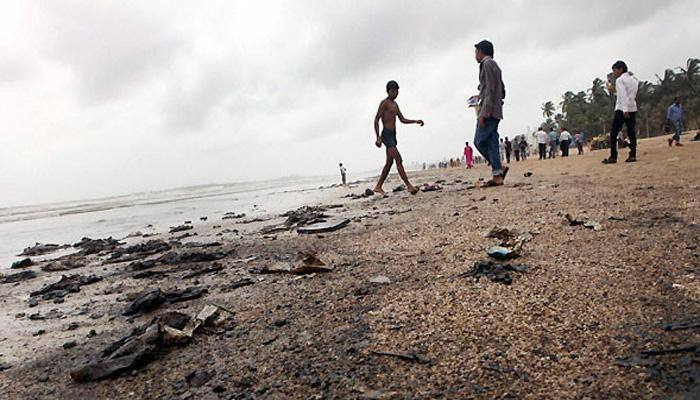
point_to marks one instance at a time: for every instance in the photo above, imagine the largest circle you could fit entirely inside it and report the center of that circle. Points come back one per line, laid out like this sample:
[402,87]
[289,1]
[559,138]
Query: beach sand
[590,297]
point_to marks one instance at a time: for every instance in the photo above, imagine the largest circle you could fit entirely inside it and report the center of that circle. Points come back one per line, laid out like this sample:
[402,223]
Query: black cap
[486,47]
[392,85]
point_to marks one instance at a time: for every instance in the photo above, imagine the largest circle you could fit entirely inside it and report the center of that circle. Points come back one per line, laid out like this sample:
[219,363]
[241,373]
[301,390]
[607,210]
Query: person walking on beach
[565,142]
[508,148]
[490,111]
[523,147]
[501,150]
[516,147]
[388,112]
[553,142]
[342,173]
[578,139]
[468,155]
[626,87]
[674,115]
[542,138]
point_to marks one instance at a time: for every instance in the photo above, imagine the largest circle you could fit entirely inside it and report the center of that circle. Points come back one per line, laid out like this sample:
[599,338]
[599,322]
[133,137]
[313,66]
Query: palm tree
[691,73]
[548,109]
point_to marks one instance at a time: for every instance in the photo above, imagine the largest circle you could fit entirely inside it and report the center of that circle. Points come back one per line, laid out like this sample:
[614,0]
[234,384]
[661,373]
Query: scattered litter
[197,378]
[587,223]
[496,272]
[616,218]
[237,284]
[674,350]
[573,221]
[190,257]
[305,263]
[94,246]
[681,325]
[304,216]
[144,344]
[527,174]
[369,192]
[636,361]
[65,263]
[399,188]
[233,215]
[27,262]
[40,249]
[150,299]
[148,248]
[141,265]
[431,187]
[180,228]
[215,267]
[380,279]
[413,357]
[322,227]
[501,253]
[146,301]
[592,224]
[18,277]
[65,285]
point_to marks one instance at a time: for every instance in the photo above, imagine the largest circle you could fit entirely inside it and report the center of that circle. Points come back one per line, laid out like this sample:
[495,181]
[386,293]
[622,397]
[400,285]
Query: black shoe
[631,159]
[609,161]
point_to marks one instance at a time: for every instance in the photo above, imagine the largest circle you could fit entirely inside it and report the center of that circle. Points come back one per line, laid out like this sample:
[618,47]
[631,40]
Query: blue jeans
[486,141]
[678,128]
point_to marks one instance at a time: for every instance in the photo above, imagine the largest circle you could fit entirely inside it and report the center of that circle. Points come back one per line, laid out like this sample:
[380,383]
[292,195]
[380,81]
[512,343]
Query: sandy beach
[609,308]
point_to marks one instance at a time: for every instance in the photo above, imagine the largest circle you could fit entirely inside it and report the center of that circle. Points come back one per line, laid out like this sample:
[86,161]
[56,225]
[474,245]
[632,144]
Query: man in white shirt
[626,87]
[565,140]
[542,143]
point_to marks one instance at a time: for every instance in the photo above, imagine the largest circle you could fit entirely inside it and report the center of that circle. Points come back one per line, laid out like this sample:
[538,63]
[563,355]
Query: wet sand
[564,329]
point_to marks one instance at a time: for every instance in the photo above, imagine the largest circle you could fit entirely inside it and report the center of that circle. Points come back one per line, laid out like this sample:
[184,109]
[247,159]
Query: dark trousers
[543,150]
[517,155]
[508,156]
[565,148]
[631,123]
[486,141]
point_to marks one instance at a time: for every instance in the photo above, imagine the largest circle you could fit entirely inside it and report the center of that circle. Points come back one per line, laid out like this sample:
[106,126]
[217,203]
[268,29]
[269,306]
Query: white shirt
[626,87]
[542,137]
[565,135]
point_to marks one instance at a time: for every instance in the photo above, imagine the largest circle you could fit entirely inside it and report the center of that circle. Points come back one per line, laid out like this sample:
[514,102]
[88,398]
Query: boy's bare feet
[379,191]
[412,189]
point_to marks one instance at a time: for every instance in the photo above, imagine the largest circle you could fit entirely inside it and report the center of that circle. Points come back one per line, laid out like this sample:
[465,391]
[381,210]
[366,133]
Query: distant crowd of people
[561,141]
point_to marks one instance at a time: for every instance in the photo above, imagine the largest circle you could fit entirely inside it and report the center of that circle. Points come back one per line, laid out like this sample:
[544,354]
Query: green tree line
[591,110]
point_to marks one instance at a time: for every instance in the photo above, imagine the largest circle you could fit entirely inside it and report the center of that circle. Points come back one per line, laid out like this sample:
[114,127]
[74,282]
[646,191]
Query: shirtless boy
[387,112]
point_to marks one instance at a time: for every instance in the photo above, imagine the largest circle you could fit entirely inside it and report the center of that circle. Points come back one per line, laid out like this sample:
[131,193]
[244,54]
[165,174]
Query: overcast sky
[99,98]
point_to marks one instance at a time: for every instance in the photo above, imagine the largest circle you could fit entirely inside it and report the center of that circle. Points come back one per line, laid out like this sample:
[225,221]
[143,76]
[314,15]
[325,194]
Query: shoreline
[558,330]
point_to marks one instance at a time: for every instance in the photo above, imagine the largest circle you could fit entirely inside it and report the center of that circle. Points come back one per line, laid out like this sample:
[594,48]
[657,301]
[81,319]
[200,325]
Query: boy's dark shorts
[389,138]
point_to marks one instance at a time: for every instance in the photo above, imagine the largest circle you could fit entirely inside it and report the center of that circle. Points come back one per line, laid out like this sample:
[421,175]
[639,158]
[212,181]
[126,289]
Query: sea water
[153,212]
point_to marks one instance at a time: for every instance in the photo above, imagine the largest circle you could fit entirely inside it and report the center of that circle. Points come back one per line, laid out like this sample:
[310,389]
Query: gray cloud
[110,47]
